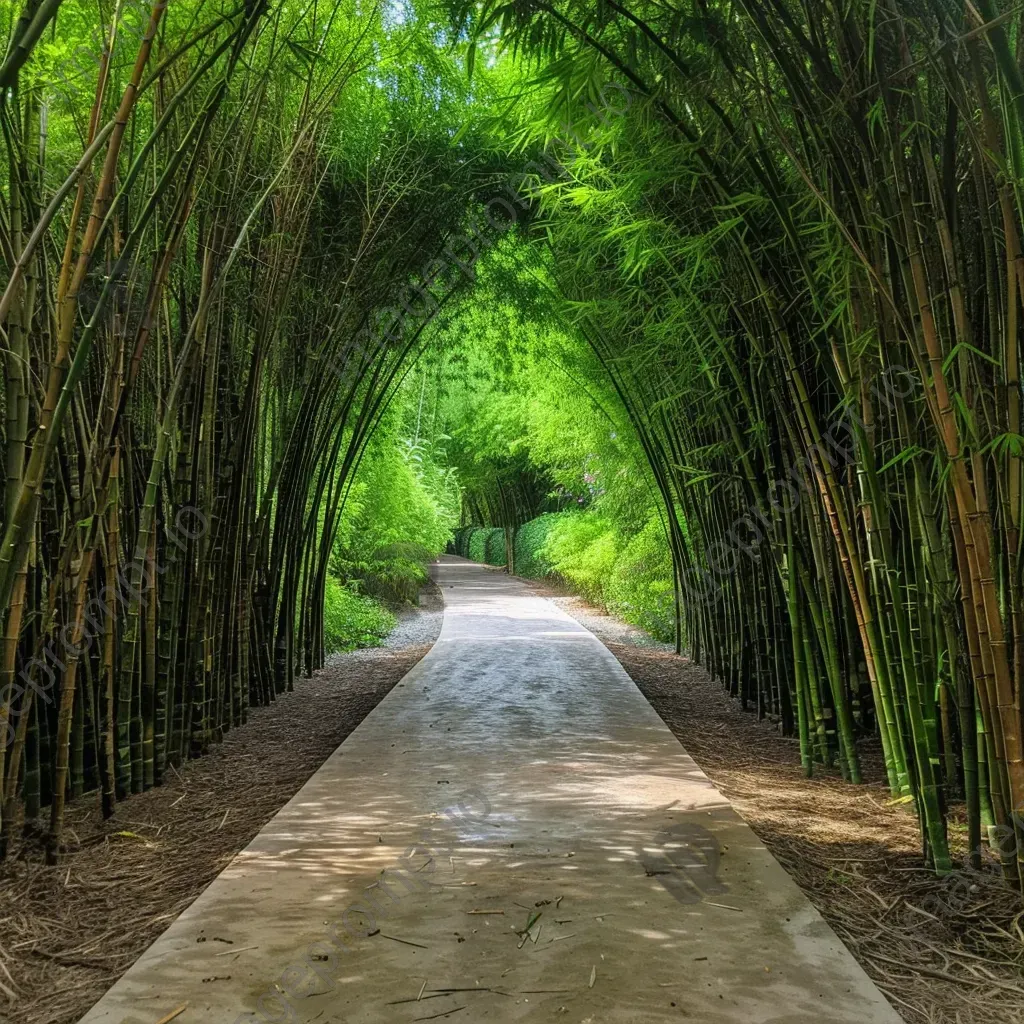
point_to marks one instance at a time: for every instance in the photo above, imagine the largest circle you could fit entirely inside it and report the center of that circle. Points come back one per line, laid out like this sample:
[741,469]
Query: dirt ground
[940,951]
[943,952]
[68,933]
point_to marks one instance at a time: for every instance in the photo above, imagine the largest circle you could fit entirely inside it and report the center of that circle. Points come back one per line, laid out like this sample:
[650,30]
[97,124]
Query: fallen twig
[174,1013]
[407,942]
[434,1016]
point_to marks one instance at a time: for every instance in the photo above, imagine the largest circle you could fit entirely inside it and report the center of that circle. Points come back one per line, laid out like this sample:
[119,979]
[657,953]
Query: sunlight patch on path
[528,841]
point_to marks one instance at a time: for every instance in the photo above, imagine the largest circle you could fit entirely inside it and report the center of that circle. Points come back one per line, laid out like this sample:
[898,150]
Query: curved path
[512,834]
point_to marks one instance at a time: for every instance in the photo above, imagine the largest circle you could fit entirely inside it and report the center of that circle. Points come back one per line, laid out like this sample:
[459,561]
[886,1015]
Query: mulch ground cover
[67,933]
[943,951]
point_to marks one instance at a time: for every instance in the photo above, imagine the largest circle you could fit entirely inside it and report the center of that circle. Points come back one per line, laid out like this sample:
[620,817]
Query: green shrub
[398,516]
[409,551]
[476,549]
[462,536]
[352,620]
[582,549]
[630,576]
[484,544]
[639,588]
[529,543]
[494,547]
[393,580]
[394,573]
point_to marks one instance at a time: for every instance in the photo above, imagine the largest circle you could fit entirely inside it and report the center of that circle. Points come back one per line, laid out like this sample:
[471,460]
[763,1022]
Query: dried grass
[940,956]
[67,933]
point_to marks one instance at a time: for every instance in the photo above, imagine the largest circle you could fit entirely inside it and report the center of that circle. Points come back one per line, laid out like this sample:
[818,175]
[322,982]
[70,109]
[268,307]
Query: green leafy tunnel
[711,309]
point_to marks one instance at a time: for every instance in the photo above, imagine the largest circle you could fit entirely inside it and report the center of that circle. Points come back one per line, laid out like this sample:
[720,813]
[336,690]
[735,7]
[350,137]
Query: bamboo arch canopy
[795,252]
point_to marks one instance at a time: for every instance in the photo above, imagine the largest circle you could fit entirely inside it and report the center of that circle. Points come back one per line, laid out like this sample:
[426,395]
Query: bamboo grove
[208,212]
[788,231]
[797,254]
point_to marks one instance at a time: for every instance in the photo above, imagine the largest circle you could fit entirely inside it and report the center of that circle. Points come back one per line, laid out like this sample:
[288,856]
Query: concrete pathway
[512,834]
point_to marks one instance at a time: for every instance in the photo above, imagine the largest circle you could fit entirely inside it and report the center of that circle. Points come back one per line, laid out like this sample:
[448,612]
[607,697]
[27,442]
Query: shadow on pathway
[512,833]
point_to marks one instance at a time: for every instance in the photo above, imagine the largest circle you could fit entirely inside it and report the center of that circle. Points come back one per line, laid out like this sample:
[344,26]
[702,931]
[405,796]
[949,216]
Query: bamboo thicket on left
[205,215]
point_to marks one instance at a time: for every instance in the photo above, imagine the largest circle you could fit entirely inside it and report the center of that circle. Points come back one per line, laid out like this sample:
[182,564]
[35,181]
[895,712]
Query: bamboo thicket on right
[796,247]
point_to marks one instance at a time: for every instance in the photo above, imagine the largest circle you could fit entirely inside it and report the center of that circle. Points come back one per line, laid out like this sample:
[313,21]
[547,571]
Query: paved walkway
[513,834]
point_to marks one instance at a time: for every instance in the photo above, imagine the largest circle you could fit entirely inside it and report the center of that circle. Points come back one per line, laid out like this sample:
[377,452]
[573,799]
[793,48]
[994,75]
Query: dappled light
[558,863]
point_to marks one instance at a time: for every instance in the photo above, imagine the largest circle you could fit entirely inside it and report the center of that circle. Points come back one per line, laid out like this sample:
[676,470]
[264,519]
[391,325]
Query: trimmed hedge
[478,545]
[494,547]
[461,542]
[529,546]
[630,576]
[481,543]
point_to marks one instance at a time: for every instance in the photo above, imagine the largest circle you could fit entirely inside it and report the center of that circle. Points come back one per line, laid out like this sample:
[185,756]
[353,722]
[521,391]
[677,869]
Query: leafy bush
[409,551]
[352,620]
[639,588]
[478,542]
[398,517]
[630,576]
[392,580]
[462,536]
[582,549]
[395,573]
[494,548]
[529,544]
[396,505]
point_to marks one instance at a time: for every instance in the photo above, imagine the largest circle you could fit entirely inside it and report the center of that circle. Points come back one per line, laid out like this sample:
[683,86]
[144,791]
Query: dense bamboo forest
[713,309]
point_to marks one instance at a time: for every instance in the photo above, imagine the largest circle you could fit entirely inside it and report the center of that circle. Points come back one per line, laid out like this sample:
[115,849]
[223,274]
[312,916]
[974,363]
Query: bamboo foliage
[794,250]
[809,265]
[201,331]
